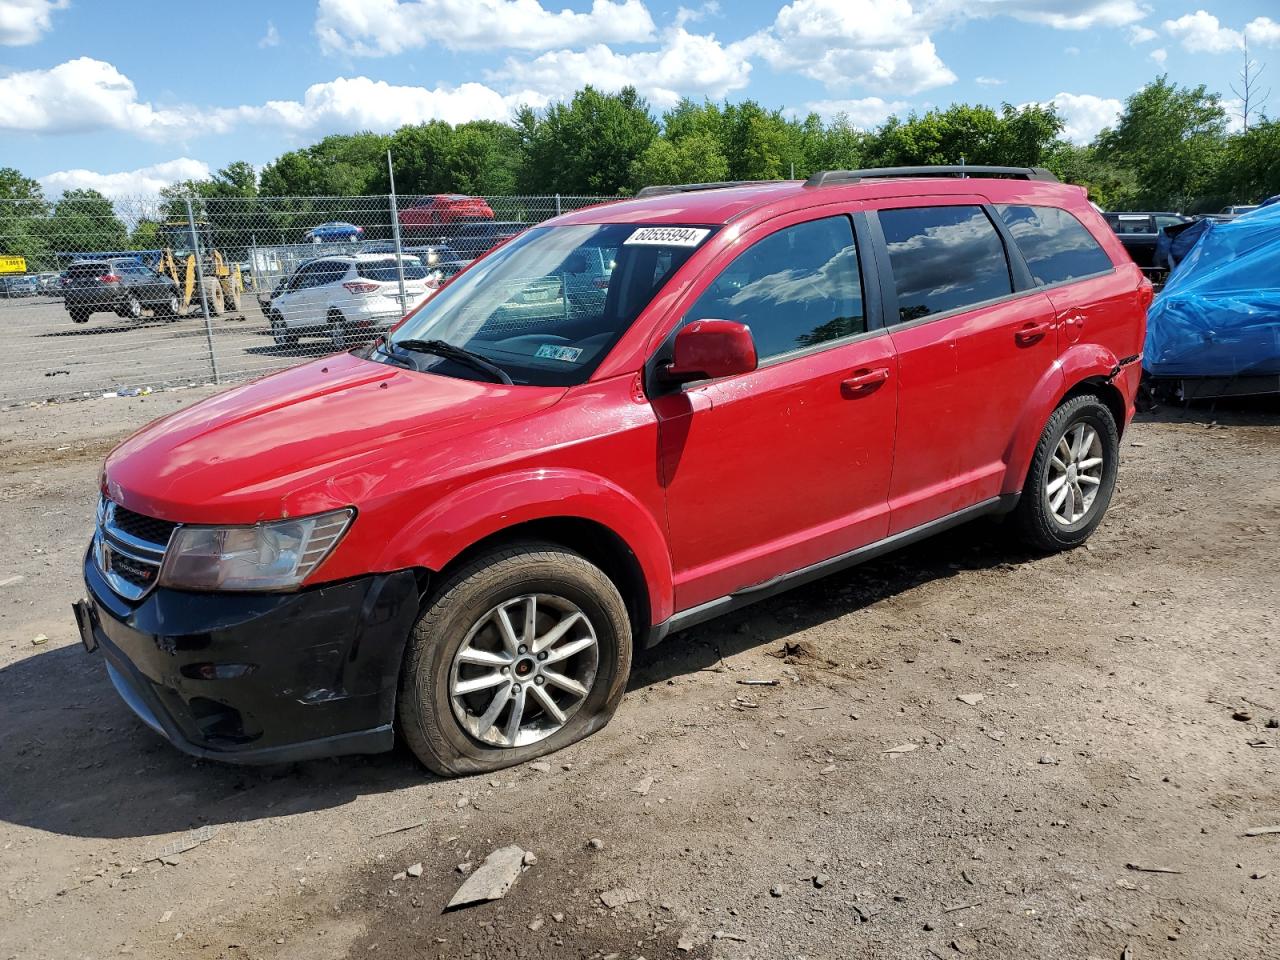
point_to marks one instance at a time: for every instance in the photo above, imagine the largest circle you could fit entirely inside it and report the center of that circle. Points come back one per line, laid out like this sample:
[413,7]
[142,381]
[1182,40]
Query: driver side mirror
[708,349]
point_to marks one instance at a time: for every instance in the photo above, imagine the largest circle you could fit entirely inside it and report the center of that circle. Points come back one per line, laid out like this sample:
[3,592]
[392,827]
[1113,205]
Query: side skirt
[796,578]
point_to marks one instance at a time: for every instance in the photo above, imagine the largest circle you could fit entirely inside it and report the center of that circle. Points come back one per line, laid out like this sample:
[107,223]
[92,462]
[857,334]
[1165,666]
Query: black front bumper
[258,678]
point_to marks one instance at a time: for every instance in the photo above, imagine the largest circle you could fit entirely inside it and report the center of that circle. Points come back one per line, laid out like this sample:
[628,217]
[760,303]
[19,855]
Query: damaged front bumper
[258,677]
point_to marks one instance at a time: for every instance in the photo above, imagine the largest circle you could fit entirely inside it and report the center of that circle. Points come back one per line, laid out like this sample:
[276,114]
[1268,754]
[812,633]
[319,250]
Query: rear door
[971,343]
[788,465]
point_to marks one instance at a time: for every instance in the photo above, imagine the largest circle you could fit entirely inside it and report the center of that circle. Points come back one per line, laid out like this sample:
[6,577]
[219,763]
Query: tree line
[1170,149]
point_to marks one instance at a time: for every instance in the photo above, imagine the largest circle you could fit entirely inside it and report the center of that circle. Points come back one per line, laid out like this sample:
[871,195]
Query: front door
[788,465]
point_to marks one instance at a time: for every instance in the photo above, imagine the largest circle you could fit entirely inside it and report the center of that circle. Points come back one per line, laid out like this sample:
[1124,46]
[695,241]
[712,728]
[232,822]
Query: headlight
[267,556]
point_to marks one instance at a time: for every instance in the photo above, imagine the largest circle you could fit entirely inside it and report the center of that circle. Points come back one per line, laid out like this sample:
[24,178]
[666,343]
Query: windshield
[549,305]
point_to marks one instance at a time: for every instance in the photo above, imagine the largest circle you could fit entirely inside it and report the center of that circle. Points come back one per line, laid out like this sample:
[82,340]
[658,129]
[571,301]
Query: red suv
[623,422]
[443,209]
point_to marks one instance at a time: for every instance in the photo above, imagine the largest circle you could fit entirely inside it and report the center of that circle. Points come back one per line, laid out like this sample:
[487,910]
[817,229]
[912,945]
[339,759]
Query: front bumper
[258,678]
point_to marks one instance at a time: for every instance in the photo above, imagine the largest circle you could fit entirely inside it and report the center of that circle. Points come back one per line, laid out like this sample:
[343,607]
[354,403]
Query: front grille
[144,528]
[128,548]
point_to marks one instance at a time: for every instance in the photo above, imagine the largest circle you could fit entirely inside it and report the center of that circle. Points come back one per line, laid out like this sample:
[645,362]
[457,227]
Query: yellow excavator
[223,283]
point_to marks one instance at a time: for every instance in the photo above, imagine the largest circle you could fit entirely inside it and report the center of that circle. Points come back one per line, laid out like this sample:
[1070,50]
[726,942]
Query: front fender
[448,527]
[1078,363]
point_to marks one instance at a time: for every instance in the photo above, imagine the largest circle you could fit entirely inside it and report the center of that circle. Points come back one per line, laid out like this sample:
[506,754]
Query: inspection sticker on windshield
[549,351]
[667,236]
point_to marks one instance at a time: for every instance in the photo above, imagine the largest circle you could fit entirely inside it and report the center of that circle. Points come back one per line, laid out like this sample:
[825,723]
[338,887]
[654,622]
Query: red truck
[623,422]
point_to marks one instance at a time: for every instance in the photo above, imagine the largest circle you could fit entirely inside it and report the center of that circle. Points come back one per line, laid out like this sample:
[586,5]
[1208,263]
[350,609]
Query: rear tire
[1072,476]
[170,308]
[453,645]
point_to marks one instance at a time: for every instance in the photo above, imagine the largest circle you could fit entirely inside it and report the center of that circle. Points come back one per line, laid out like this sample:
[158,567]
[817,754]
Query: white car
[346,297]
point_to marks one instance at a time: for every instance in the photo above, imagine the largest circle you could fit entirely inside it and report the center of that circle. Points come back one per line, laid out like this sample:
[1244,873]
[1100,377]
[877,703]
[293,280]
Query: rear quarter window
[1056,246]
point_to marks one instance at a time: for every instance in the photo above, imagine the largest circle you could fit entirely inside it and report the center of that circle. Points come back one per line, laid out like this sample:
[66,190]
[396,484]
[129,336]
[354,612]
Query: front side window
[1055,245]
[944,258]
[548,306]
[795,288]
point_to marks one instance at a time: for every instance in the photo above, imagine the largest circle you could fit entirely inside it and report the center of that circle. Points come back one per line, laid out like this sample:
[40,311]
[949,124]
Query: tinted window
[944,258]
[795,288]
[327,272]
[384,271]
[1054,243]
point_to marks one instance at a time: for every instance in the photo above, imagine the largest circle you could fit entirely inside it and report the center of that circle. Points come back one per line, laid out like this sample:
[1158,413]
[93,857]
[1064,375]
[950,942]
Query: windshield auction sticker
[549,351]
[667,236]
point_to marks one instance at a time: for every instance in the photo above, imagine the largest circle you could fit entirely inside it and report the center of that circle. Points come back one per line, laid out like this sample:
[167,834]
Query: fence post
[557,204]
[253,264]
[395,233]
[198,253]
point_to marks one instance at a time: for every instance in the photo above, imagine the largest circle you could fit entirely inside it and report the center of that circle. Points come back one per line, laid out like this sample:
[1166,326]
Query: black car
[125,287]
[473,240]
[1140,230]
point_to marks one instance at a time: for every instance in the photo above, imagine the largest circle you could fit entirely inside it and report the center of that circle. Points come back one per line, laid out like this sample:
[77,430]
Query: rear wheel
[523,651]
[1072,475]
[339,332]
[170,307]
[280,333]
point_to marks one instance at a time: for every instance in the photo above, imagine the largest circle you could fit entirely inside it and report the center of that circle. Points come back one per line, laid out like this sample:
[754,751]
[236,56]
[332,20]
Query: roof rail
[662,189]
[825,177]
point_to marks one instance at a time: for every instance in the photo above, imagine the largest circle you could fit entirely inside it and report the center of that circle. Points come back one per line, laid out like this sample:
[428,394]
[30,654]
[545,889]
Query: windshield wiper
[438,348]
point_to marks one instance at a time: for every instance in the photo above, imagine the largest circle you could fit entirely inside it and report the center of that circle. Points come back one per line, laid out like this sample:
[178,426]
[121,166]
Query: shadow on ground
[77,762]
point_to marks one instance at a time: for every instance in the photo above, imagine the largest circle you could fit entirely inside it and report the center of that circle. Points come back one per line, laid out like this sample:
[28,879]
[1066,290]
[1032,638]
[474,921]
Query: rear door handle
[863,381]
[1030,333]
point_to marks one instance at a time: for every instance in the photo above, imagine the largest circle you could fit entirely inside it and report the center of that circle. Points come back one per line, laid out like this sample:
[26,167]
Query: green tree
[23,215]
[1250,168]
[586,146]
[84,221]
[1172,138]
[693,159]
[1110,185]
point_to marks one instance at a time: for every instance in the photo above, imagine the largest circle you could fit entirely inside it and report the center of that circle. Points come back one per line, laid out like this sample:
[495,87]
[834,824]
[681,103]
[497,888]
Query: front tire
[79,315]
[523,651]
[1072,476]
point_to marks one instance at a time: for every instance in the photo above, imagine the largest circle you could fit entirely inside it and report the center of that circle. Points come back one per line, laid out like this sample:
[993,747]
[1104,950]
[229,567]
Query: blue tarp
[1219,314]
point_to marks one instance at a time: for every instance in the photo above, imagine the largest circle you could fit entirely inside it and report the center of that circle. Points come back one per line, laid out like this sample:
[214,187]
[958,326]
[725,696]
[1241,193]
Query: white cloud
[1059,14]
[24,22]
[690,14]
[1084,115]
[989,81]
[685,63]
[82,95]
[349,104]
[1140,34]
[1071,51]
[1201,32]
[881,45]
[864,113]
[144,180]
[1159,55]
[1263,31]
[383,27]
[271,38]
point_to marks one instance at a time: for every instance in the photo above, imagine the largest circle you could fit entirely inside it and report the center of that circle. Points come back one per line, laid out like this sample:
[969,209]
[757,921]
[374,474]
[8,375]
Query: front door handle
[1030,333]
[863,381]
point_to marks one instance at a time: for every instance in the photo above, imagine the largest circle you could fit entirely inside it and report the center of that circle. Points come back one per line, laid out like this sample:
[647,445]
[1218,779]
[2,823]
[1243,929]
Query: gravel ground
[43,355]
[1090,792]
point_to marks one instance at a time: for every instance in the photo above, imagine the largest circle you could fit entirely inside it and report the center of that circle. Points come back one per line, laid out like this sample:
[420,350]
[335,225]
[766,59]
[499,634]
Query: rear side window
[384,271]
[1054,243]
[330,271]
[795,288]
[944,258]
[88,269]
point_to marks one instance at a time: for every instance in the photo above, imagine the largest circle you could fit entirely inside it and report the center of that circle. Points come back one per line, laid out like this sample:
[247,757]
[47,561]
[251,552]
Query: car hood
[316,437]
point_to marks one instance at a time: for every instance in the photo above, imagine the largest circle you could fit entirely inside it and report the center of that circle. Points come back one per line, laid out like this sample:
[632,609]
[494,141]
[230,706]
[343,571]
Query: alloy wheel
[1075,474]
[523,670]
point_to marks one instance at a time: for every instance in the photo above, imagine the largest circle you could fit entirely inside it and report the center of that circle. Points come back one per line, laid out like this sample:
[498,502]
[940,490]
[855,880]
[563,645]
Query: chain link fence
[124,296]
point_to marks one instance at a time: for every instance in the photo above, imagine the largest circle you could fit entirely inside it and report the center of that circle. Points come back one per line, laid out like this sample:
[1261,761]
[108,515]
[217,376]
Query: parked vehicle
[473,240]
[344,296]
[1238,209]
[465,529]
[121,286]
[50,284]
[27,285]
[427,214]
[1140,233]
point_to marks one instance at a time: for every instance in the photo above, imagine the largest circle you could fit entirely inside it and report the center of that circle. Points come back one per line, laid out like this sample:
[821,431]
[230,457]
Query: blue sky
[128,96]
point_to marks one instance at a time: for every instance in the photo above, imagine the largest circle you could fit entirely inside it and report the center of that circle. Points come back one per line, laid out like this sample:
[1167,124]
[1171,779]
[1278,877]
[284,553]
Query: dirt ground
[1096,798]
